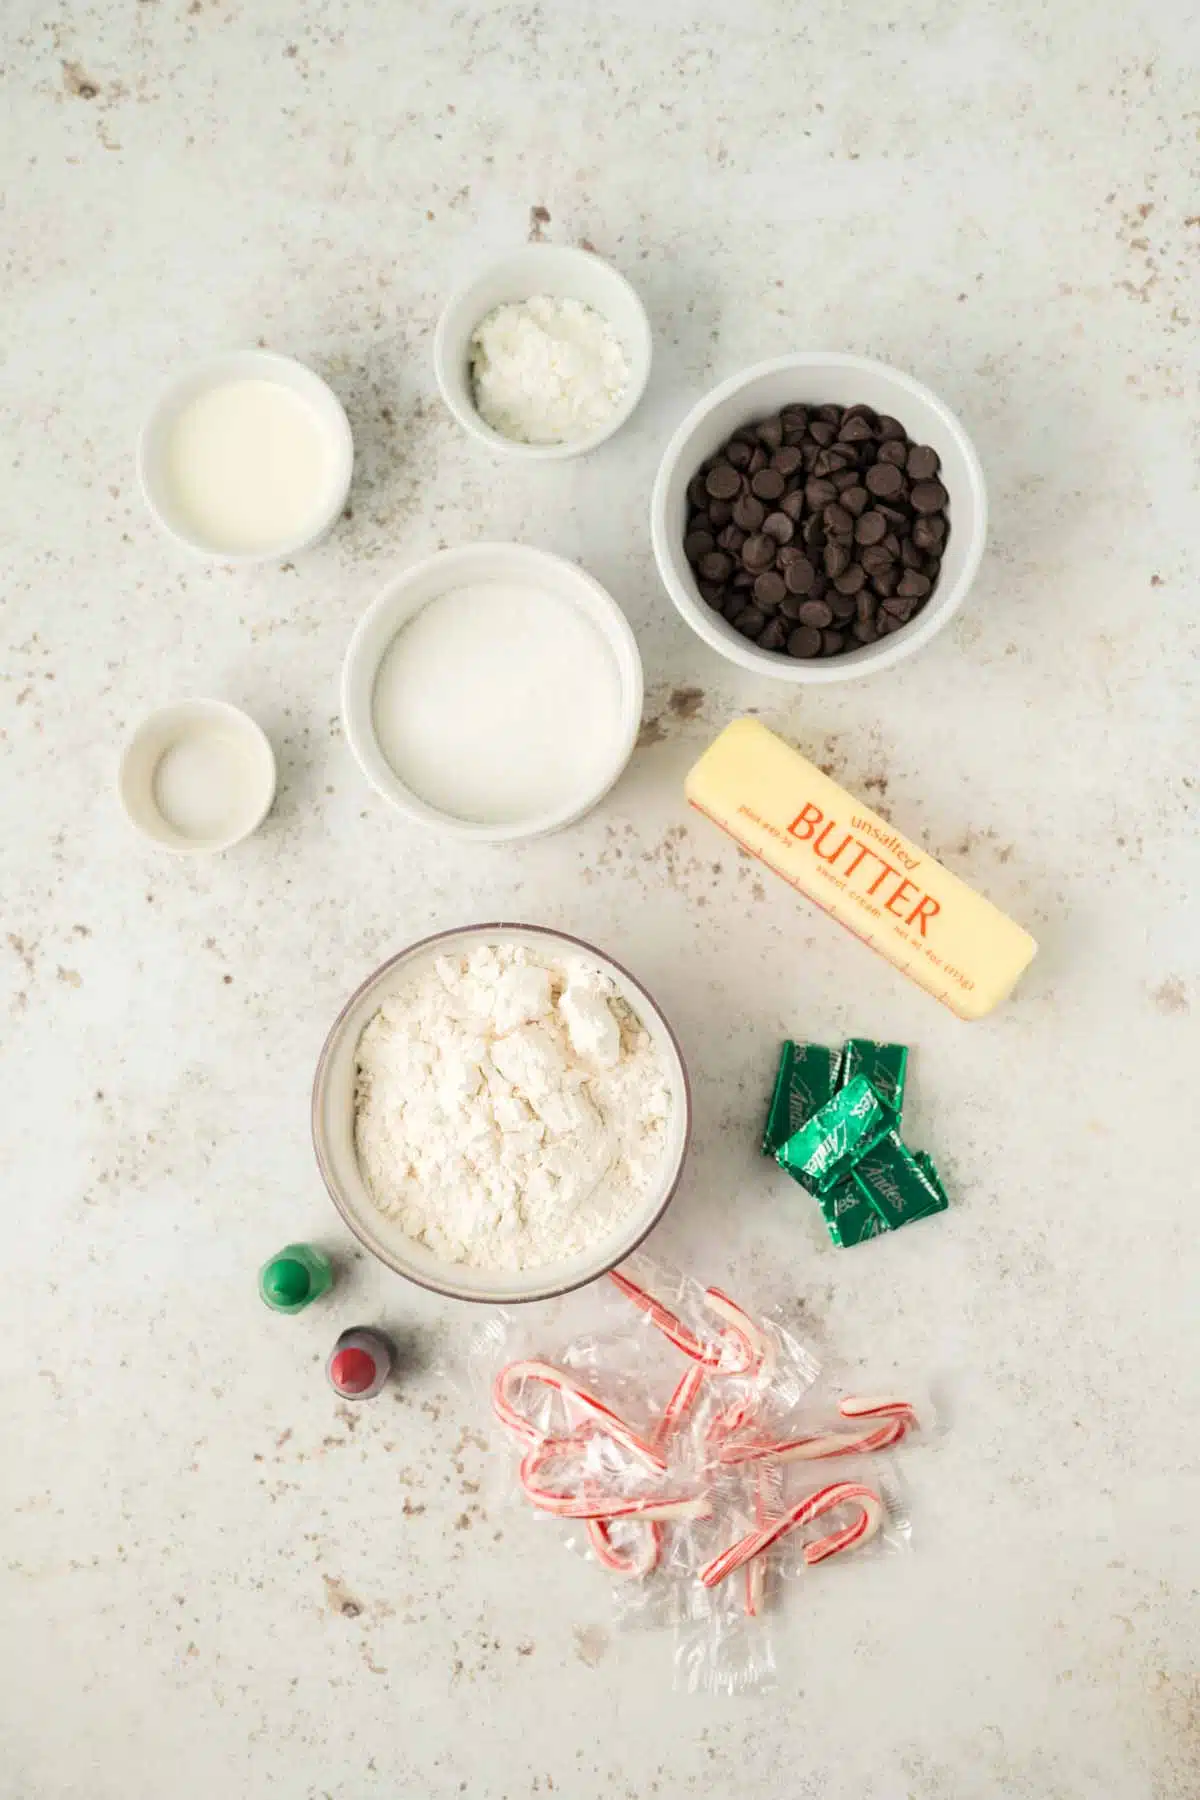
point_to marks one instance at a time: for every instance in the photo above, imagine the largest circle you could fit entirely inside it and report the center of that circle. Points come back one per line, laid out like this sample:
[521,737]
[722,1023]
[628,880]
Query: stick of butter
[926,921]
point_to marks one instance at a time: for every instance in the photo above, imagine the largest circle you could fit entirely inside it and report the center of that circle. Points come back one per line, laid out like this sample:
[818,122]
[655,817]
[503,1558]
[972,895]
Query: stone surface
[215,1578]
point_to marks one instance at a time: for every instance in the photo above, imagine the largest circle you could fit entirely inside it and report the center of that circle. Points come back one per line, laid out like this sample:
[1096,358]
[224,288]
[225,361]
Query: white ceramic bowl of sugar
[333,1112]
[246,458]
[491,719]
[563,274]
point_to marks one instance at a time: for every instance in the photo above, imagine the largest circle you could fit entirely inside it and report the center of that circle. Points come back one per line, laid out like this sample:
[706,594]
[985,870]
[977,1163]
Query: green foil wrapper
[928,1168]
[849,1217]
[895,1186]
[884,1065]
[823,1152]
[806,1079]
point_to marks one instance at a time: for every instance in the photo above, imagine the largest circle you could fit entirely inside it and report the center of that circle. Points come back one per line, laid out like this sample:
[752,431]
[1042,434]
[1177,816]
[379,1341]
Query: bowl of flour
[501,1113]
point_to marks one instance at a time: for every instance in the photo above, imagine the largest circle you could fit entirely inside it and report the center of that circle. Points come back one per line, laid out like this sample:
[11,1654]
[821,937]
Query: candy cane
[756,1542]
[679,1405]
[753,1345]
[637,1562]
[756,1568]
[546,1375]
[898,1418]
[600,1505]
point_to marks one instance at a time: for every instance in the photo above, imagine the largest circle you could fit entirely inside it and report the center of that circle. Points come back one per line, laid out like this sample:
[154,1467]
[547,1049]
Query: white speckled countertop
[214,1579]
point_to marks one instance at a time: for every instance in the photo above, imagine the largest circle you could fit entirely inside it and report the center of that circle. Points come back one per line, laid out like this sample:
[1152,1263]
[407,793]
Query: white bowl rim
[639,373]
[899,644]
[234,715]
[643,1228]
[360,732]
[333,414]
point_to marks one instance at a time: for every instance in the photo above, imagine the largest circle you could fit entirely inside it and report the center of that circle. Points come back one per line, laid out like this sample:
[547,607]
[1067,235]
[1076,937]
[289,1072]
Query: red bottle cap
[352,1370]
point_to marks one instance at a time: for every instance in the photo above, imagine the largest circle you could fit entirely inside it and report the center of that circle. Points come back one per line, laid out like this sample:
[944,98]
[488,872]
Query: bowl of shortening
[501,1113]
[246,458]
[819,517]
[492,692]
[545,354]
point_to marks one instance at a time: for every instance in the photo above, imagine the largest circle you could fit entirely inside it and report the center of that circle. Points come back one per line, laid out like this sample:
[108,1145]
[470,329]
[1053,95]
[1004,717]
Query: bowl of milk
[493,692]
[246,458]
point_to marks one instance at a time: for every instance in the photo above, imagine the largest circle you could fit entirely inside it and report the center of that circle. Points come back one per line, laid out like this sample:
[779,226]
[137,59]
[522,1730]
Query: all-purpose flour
[511,1110]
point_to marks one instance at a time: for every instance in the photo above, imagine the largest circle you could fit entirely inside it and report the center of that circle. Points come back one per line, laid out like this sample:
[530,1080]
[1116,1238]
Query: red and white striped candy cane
[687,1391]
[596,1504]
[897,1415]
[749,1346]
[542,1374]
[756,1542]
[640,1560]
[756,1568]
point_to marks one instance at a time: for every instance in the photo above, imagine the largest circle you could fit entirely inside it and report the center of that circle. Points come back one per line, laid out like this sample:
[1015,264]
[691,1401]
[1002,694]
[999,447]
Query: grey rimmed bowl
[333,1129]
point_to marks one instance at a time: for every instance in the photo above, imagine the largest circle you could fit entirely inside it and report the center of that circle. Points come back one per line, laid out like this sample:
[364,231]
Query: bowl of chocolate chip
[819,517]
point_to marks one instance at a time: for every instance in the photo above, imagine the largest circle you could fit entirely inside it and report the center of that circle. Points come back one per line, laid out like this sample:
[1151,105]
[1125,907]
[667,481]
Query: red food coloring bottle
[359,1363]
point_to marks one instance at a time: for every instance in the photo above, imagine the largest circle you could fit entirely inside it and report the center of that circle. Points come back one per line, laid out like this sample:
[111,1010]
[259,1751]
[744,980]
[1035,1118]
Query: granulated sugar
[511,1109]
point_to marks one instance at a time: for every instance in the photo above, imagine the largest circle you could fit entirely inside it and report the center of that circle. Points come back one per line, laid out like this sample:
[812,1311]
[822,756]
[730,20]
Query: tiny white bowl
[215,371]
[337,1157]
[564,274]
[205,749]
[414,588]
[818,378]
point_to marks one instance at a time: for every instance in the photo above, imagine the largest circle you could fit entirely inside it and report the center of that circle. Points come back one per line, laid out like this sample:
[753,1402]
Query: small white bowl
[406,594]
[337,1158]
[197,776]
[217,371]
[564,274]
[820,379]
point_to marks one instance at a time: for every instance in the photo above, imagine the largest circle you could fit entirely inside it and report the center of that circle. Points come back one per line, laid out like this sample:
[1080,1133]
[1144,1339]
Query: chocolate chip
[794,420]
[899,606]
[844,480]
[928,497]
[787,460]
[697,544]
[723,482]
[910,556]
[819,494]
[697,492]
[712,594]
[737,452]
[864,604]
[814,533]
[804,641]
[774,635]
[769,590]
[829,462]
[855,499]
[758,552]
[837,559]
[749,622]
[913,586]
[875,559]
[897,521]
[895,451]
[889,427]
[742,578]
[799,576]
[768,484]
[793,505]
[719,514]
[928,532]
[758,460]
[842,606]
[832,643]
[923,462]
[884,480]
[716,566]
[816,612]
[831,412]
[838,522]
[732,539]
[770,433]
[822,432]
[855,430]
[851,579]
[871,528]
[748,513]
[891,544]
[886,581]
[778,526]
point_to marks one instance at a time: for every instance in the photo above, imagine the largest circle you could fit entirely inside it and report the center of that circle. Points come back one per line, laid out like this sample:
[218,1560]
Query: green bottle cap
[286,1282]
